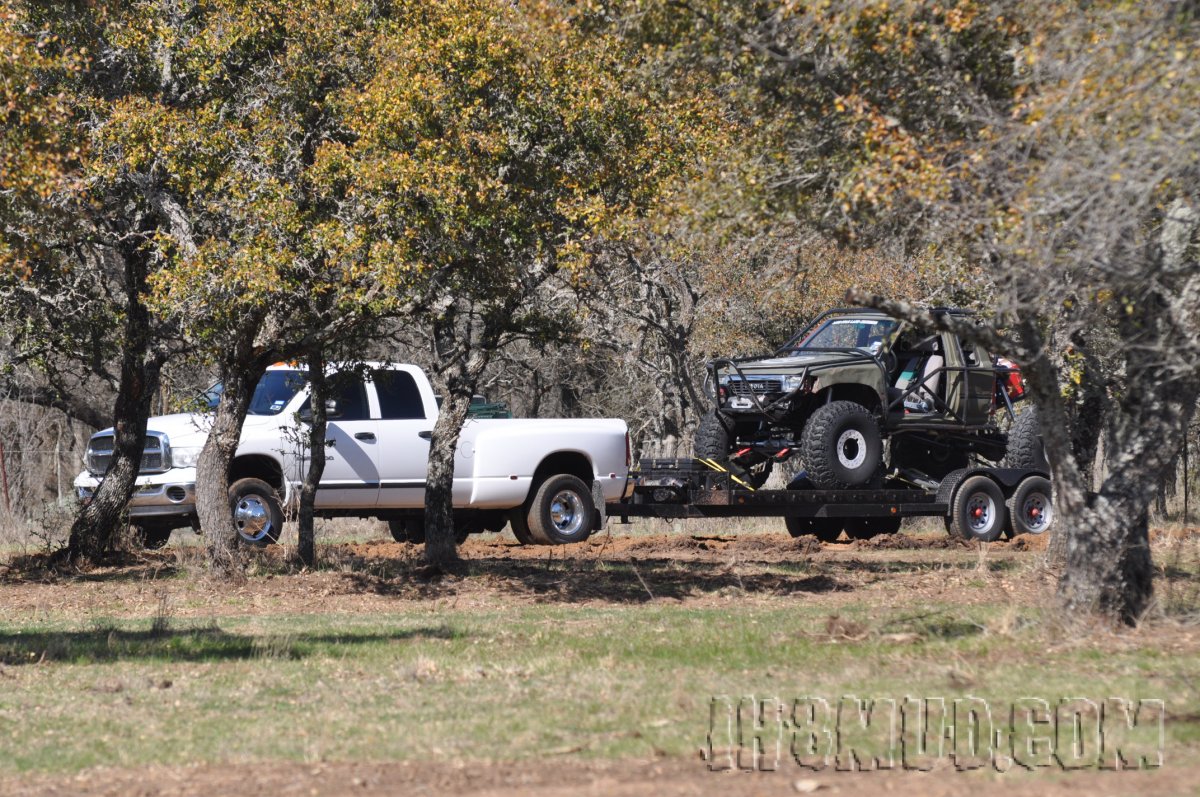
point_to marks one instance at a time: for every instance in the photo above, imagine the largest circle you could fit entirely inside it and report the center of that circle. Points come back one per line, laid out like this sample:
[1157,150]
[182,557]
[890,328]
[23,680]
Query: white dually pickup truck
[547,478]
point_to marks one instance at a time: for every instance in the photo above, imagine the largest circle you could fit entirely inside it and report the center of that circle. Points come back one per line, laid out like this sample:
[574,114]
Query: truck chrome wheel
[257,515]
[561,511]
[566,512]
[251,517]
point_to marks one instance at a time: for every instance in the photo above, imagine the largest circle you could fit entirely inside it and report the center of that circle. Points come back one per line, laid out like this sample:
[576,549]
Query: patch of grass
[616,681]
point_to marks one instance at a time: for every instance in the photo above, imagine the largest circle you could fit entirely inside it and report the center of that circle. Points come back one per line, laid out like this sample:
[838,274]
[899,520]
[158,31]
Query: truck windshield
[274,391]
[868,334]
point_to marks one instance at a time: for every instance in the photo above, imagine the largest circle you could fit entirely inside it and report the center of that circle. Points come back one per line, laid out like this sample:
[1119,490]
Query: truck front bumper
[159,495]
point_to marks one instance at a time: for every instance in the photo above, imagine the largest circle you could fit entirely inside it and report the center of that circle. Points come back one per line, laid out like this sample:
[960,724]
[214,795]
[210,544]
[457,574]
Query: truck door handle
[365,436]
[425,435]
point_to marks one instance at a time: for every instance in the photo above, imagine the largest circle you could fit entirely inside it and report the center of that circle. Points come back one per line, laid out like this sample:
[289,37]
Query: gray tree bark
[97,523]
[318,393]
[240,372]
[463,365]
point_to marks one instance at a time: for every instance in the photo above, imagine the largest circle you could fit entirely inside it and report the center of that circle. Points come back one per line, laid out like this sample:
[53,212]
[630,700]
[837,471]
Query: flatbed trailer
[977,503]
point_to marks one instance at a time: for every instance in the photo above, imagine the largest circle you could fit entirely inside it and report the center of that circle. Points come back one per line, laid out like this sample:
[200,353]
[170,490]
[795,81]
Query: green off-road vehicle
[852,380]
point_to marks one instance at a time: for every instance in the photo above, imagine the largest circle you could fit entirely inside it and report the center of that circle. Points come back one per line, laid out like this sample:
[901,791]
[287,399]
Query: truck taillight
[628,451]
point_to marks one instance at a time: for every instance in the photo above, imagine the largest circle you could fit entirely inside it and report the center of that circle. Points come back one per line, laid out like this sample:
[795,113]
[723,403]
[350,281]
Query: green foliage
[491,146]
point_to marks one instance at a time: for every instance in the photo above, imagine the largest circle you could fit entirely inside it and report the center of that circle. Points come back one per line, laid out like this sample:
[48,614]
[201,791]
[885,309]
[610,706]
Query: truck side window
[351,397]
[399,397]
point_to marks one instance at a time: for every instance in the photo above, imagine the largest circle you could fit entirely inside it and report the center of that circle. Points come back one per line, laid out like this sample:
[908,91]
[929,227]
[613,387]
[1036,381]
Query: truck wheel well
[571,462]
[257,467]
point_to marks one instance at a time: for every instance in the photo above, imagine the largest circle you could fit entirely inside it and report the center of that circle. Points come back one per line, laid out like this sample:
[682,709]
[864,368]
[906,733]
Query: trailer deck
[691,488]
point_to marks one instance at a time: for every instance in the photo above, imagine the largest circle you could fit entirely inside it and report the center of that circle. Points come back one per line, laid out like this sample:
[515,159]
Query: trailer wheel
[1030,509]
[841,446]
[977,512]
[825,529]
[256,512]
[865,528]
[562,511]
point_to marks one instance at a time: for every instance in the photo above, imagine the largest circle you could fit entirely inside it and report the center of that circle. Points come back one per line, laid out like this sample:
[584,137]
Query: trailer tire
[977,512]
[825,529]
[1031,507]
[866,528]
[257,515]
[562,511]
[1025,447]
[841,446]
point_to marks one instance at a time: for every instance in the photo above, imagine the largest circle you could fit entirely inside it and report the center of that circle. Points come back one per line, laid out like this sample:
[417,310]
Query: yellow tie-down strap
[714,465]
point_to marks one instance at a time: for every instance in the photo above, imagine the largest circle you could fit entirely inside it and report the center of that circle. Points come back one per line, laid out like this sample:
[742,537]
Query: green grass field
[475,671]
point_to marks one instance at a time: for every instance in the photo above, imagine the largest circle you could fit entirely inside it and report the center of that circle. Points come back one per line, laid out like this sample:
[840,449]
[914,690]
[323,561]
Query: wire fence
[37,493]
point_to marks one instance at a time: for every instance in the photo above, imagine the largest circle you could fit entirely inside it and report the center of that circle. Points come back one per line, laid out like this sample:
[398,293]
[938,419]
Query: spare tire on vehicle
[841,446]
[1025,447]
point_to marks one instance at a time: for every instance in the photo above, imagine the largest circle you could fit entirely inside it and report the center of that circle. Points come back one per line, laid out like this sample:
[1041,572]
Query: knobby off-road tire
[841,446]
[1030,509]
[257,514]
[977,512]
[1025,447]
[562,511]
[714,440]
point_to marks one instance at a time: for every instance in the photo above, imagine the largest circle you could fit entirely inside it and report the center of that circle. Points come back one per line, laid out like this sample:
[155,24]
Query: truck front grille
[156,454]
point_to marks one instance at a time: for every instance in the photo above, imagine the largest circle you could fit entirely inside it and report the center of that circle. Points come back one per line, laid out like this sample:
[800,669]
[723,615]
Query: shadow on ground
[207,643]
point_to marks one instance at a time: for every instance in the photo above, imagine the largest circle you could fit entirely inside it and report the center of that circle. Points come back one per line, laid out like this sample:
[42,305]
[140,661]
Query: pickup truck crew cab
[547,478]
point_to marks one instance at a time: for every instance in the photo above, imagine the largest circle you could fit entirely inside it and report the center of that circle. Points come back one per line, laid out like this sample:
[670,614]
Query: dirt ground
[695,569]
[688,568]
[549,778]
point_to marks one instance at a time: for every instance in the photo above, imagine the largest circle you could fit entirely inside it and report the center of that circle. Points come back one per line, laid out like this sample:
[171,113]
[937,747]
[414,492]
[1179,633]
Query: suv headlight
[185,456]
[796,382]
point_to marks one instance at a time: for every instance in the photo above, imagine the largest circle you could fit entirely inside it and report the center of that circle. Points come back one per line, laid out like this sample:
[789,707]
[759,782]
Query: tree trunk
[1108,568]
[97,523]
[239,375]
[318,394]
[440,546]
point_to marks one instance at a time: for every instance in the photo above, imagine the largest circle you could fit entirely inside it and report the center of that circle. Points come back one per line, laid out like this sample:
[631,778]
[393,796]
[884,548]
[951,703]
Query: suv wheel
[841,446]
[713,440]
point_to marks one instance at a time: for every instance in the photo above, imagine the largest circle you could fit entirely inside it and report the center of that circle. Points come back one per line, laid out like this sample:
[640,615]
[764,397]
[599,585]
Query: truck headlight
[185,456]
